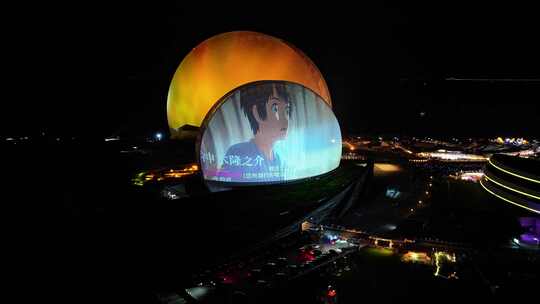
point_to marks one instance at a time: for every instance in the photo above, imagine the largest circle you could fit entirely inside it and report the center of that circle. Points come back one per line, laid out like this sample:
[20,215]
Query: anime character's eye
[275,110]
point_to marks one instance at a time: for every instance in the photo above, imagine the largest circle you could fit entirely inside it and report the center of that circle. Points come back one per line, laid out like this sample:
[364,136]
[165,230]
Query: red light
[332,293]
[228,280]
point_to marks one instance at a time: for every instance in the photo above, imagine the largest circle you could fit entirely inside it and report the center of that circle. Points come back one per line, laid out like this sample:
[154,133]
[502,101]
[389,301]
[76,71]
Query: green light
[138,180]
[515,190]
[507,200]
[511,173]
[380,251]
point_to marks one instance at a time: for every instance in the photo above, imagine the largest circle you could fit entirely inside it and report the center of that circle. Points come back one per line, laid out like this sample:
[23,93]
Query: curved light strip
[511,173]
[515,190]
[507,200]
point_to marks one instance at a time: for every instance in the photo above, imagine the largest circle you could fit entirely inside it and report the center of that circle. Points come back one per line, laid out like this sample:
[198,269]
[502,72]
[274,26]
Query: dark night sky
[100,69]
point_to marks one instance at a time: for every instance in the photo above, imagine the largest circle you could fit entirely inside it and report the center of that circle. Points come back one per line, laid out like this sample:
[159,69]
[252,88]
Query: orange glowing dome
[226,61]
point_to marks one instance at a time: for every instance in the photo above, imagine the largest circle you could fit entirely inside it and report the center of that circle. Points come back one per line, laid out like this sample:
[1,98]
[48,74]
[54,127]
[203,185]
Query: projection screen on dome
[269,132]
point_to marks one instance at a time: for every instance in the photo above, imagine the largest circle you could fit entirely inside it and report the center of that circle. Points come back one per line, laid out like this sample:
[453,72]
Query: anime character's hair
[257,95]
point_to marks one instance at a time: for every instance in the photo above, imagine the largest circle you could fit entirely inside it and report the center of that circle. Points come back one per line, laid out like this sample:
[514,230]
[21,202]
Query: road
[378,213]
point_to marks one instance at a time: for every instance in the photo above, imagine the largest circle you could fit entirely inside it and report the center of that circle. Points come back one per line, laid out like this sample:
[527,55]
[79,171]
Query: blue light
[392,193]
[159,136]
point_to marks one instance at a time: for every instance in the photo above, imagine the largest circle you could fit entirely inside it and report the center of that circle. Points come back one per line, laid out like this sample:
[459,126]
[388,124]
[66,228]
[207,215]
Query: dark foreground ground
[78,232]
[81,232]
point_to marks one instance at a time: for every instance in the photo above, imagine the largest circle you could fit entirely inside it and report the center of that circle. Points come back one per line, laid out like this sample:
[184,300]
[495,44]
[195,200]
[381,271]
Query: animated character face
[276,124]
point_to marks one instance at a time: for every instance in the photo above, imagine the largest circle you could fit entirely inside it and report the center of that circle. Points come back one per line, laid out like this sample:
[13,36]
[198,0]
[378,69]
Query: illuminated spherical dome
[226,61]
